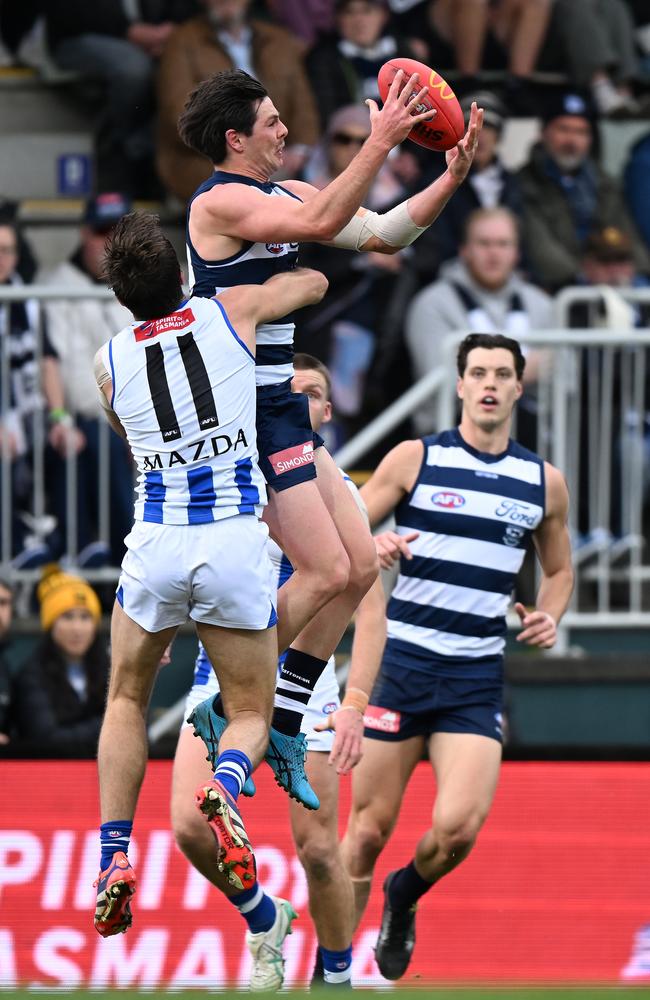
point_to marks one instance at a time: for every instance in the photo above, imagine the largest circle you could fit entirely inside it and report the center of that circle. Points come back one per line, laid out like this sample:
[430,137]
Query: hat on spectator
[495,111]
[59,592]
[609,246]
[105,210]
[571,104]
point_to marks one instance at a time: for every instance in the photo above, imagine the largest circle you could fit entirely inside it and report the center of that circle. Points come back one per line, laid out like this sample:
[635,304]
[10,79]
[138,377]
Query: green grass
[436,993]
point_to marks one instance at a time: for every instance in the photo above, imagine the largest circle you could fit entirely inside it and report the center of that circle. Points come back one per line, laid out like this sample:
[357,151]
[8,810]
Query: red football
[448,126]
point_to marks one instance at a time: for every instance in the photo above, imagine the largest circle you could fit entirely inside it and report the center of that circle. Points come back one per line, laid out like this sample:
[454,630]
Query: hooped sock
[406,887]
[257,909]
[114,837]
[337,965]
[232,770]
[298,676]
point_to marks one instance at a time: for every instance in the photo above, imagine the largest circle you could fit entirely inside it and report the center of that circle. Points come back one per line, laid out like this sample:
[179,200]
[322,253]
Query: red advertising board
[556,890]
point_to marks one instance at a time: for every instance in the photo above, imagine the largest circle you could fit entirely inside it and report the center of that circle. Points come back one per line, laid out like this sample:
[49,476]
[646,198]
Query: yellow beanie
[58,592]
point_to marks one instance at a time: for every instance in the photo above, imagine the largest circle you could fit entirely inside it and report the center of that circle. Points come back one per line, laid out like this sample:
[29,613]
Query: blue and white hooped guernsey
[252,265]
[476,514]
[184,391]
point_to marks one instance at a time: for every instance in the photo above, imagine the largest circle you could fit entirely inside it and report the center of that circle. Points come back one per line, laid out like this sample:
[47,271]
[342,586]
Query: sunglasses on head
[345,139]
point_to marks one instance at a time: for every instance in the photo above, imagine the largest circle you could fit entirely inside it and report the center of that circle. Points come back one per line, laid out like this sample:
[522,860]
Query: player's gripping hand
[390,546]
[399,114]
[347,724]
[459,157]
[539,628]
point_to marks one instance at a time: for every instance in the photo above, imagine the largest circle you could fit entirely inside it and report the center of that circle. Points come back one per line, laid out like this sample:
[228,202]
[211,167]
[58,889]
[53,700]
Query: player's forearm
[554,593]
[335,204]
[369,639]
[425,206]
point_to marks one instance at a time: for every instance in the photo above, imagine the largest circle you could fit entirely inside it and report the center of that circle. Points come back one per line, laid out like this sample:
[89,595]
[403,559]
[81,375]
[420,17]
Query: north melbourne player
[241,228]
[179,384]
[315,833]
[467,503]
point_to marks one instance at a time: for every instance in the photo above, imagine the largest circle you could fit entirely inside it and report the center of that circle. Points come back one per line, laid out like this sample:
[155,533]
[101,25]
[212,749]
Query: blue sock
[257,909]
[114,837]
[406,887]
[233,768]
[337,965]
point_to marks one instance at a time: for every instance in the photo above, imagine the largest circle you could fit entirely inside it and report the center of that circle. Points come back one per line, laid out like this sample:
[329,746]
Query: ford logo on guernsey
[448,500]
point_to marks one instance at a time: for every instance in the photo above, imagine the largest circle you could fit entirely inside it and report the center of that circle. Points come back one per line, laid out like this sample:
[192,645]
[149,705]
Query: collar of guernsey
[475,514]
[253,264]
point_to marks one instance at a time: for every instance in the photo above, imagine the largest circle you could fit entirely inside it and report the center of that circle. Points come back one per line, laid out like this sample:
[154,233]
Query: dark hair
[307,362]
[491,341]
[142,268]
[227,100]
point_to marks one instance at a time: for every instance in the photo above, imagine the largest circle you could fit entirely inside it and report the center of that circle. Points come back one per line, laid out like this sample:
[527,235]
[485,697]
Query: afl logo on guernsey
[448,500]
[277,248]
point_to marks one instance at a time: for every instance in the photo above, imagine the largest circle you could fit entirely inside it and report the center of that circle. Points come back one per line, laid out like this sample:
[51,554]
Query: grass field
[449,993]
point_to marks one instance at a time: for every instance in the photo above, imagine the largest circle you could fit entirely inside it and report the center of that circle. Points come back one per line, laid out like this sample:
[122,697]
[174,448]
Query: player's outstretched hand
[347,724]
[390,546]
[460,157]
[399,114]
[539,628]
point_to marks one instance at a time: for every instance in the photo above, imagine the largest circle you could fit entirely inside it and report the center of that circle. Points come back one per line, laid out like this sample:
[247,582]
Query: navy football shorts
[407,703]
[285,439]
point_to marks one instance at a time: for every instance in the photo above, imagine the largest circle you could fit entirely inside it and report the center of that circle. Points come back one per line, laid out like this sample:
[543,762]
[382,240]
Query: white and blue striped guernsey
[184,391]
[476,514]
[252,265]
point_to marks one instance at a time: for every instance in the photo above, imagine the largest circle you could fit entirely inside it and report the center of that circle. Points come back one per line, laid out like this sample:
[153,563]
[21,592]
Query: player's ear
[327,412]
[459,387]
[234,140]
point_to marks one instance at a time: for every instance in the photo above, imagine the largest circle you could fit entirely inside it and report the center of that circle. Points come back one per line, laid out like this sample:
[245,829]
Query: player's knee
[187,826]
[364,568]
[368,841]
[333,575]
[456,836]
[318,855]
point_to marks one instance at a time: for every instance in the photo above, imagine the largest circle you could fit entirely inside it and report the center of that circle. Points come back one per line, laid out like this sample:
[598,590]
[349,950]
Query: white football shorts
[324,701]
[217,573]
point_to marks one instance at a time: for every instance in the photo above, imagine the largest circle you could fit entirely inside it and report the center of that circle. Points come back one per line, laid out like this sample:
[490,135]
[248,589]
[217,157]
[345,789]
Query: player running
[315,833]
[467,503]
[242,227]
[179,384]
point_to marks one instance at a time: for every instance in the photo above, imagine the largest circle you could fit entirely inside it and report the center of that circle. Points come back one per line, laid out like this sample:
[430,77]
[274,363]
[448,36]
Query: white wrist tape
[396,228]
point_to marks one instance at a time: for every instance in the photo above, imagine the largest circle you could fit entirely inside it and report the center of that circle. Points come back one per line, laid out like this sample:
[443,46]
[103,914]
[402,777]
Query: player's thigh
[466,767]
[317,828]
[350,522]
[245,662]
[299,521]
[135,656]
[190,768]
[378,784]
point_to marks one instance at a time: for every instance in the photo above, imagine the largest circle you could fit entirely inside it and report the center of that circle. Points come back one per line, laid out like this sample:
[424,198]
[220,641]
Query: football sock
[337,965]
[406,887]
[114,837]
[257,909]
[297,680]
[232,770]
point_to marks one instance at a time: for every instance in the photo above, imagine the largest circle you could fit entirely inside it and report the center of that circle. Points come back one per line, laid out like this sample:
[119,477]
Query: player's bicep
[256,218]
[393,479]
[552,540]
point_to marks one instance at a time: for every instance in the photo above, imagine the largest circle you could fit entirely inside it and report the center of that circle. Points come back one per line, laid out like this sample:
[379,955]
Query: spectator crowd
[507,242]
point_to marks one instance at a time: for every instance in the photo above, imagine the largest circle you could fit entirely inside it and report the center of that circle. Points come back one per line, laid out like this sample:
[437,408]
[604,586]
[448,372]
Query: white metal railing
[591,405]
[38,518]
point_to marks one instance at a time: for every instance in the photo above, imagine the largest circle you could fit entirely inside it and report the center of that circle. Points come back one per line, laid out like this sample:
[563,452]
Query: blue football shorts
[285,440]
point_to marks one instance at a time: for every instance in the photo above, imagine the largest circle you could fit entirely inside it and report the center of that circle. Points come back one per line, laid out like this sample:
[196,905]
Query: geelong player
[316,835]
[242,227]
[467,502]
[179,384]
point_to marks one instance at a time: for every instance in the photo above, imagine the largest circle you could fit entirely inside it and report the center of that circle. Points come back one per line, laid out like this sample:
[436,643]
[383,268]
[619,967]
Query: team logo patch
[513,536]
[292,458]
[177,321]
[275,248]
[383,719]
[329,708]
[448,500]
